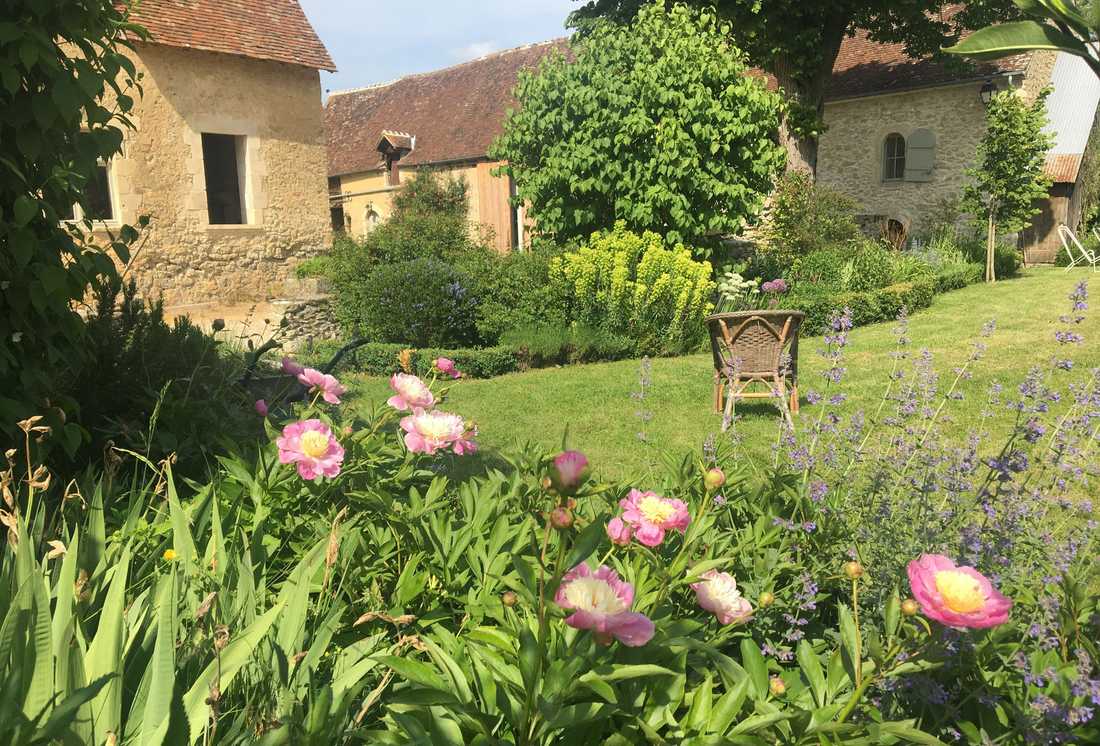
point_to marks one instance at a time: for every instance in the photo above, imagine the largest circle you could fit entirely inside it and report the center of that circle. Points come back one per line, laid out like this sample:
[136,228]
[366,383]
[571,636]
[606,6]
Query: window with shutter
[893,157]
[921,156]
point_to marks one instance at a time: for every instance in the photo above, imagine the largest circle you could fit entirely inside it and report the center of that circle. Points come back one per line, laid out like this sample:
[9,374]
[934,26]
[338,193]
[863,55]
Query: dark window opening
[97,195]
[337,214]
[893,158]
[393,171]
[220,156]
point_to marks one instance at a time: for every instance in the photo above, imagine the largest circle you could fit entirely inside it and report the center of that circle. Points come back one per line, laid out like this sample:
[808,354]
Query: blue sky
[373,41]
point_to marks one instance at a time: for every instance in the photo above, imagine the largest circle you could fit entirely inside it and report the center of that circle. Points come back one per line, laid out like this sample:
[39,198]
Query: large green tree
[798,42]
[66,91]
[654,124]
[1008,179]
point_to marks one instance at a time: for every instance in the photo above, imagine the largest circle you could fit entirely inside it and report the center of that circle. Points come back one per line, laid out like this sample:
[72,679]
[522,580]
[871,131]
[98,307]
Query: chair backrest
[753,342]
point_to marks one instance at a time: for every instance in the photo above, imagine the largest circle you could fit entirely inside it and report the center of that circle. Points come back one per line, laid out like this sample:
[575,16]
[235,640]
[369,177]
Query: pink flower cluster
[447,367]
[429,430]
[956,596]
[647,517]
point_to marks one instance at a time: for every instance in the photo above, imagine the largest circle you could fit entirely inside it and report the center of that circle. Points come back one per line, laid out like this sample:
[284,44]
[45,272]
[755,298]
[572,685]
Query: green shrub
[631,285]
[542,345]
[873,265]
[881,304]
[154,387]
[315,266]
[383,359]
[514,290]
[1006,258]
[804,217]
[824,268]
[857,266]
[419,303]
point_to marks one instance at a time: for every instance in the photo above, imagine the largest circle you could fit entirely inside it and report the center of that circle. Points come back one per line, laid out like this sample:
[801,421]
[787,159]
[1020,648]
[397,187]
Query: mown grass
[593,406]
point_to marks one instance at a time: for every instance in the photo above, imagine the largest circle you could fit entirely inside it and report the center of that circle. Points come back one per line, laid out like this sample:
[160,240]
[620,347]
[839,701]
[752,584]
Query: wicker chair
[748,348]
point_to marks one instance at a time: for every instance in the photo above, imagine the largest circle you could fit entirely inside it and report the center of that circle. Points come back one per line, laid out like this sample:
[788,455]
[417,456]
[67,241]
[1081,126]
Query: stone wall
[850,153]
[851,149]
[308,321]
[277,109]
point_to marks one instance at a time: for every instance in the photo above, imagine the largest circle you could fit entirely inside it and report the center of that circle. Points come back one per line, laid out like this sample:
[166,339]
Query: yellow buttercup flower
[169,555]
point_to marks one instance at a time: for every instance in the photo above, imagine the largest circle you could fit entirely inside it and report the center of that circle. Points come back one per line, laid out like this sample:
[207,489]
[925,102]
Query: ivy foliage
[655,124]
[1007,179]
[66,89]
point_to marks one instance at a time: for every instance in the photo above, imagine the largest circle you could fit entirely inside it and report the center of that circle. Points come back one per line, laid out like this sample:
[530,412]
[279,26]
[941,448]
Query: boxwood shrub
[883,304]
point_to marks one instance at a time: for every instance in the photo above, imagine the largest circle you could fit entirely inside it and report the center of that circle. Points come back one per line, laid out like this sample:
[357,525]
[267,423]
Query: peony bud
[509,599]
[909,607]
[777,686]
[561,518]
[546,483]
[714,479]
[853,570]
[767,598]
[569,471]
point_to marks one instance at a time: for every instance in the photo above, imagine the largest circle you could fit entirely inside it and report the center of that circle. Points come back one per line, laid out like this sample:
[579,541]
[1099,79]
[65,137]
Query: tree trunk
[991,250]
[807,92]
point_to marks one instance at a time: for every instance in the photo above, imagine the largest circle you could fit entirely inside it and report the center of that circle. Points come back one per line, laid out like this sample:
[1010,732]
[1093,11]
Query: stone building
[228,155]
[901,133]
[445,121]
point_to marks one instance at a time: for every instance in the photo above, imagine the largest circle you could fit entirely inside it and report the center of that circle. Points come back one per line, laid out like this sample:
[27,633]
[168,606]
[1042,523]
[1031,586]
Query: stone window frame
[115,221]
[893,163]
[255,171]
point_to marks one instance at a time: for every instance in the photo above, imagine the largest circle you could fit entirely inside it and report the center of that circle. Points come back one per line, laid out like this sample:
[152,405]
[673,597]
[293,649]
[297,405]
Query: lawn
[593,403]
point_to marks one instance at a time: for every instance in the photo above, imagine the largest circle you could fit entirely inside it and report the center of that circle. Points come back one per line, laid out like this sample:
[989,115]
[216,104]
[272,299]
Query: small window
[893,158]
[98,199]
[223,163]
[98,195]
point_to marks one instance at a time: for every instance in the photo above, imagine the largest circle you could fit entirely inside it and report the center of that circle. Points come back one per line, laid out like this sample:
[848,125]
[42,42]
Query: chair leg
[727,417]
[719,387]
[794,398]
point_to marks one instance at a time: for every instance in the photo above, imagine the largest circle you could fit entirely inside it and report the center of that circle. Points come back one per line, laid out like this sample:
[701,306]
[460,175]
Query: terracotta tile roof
[454,113]
[866,67]
[1063,167]
[275,30]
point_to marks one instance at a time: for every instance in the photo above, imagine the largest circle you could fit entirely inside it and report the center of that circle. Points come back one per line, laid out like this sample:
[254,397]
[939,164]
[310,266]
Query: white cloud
[475,50]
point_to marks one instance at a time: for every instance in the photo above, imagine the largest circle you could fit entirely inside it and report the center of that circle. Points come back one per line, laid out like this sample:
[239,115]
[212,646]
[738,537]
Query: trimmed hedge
[381,359]
[884,304]
[868,307]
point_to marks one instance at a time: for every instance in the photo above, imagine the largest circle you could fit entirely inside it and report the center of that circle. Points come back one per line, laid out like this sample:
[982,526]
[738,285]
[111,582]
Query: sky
[375,41]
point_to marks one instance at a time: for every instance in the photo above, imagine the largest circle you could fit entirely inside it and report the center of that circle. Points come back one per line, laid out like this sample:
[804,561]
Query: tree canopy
[798,41]
[1008,178]
[655,124]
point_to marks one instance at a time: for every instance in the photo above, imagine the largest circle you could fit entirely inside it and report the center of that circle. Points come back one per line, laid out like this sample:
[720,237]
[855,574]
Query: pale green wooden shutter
[920,156]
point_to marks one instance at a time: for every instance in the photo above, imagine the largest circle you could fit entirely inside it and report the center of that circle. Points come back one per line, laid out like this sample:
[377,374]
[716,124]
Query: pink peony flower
[292,368]
[601,602]
[717,593]
[330,388]
[651,515]
[312,446]
[956,596]
[410,393]
[446,366]
[261,407]
[428,432]
[570,470]
[620,533]
[466,444]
